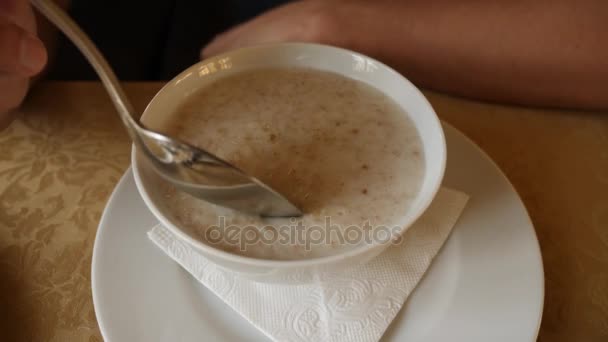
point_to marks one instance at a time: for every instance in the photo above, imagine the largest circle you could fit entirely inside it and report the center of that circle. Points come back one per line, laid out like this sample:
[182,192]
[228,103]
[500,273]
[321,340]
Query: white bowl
[320,57]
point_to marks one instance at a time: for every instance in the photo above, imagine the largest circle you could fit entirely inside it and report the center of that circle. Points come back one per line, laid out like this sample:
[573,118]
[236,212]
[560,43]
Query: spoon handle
[157,146]
[63,21]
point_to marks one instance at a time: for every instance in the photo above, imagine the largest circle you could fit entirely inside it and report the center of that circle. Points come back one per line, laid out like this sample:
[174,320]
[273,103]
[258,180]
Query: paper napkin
[356,305]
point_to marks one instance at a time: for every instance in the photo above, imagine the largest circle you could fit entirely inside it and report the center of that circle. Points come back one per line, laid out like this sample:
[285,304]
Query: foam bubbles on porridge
[335,147]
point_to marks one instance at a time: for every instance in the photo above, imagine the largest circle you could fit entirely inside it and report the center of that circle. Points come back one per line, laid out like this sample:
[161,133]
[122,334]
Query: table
[60,160]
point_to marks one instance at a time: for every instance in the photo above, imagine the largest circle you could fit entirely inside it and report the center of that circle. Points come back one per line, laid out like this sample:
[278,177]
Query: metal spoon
[188,168]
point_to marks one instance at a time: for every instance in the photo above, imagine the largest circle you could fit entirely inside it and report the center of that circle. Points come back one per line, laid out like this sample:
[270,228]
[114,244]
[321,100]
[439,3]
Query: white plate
[485,285]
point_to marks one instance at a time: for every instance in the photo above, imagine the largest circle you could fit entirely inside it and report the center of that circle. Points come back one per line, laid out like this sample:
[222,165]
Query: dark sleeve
[149,40]
[131,40]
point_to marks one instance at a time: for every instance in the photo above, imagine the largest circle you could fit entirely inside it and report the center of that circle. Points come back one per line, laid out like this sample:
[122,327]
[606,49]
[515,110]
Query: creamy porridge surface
[334,146]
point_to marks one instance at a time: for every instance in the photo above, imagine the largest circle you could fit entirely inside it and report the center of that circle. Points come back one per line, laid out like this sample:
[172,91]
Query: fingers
[219,44]
[18,12]
[299,21]
[235,36]
[21,53]
[262,29]
[10,7]
[13,90]
[248,34]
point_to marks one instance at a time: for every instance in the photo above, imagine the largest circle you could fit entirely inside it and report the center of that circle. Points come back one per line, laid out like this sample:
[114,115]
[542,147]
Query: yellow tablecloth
[62,157]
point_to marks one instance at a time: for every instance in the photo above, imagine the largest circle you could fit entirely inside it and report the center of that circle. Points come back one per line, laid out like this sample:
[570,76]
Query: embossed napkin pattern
[356,305]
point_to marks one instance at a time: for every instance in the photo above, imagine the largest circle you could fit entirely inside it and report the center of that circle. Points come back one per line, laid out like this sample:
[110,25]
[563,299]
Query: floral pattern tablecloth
[61,158]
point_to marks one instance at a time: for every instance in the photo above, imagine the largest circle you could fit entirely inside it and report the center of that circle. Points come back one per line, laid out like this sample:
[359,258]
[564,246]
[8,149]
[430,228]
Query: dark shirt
[149,40]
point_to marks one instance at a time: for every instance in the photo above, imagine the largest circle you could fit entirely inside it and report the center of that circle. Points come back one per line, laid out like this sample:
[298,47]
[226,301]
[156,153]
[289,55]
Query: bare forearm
[548,53]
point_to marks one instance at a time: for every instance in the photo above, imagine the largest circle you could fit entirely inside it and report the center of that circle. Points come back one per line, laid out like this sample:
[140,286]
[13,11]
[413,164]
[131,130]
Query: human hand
[315,21]
[22,54]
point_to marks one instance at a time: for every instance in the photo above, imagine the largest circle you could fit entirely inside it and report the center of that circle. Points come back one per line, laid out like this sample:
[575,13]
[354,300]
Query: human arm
[530,52]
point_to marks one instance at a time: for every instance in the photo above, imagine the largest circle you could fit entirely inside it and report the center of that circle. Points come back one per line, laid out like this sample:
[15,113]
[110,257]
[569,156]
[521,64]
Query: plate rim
[538,250]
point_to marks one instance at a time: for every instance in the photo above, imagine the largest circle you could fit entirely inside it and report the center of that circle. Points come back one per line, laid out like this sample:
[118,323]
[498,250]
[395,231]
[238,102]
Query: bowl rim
[349,253]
